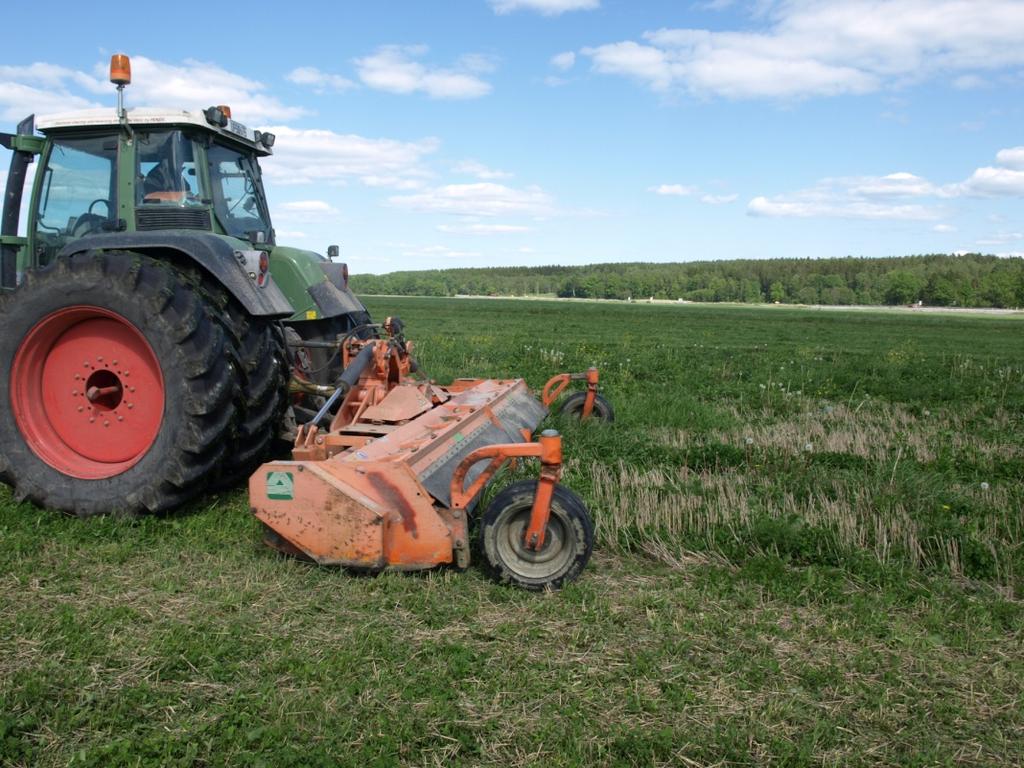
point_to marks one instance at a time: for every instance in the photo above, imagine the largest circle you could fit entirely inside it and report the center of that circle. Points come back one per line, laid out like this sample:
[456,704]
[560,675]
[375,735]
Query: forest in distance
[941,280]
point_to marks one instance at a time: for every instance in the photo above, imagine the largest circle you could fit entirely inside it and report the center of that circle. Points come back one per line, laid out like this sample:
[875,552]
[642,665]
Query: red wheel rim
[87,392]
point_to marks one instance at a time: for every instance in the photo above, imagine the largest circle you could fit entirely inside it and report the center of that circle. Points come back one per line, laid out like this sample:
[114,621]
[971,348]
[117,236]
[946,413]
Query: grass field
[810,552]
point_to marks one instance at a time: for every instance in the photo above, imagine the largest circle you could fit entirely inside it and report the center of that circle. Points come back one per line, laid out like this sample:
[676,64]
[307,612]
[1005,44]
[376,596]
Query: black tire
[199,384]
[573,407]
[569,539]
[260,362]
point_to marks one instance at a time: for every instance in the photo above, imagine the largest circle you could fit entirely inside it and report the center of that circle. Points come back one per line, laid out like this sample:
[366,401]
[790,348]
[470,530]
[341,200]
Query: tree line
[967,280]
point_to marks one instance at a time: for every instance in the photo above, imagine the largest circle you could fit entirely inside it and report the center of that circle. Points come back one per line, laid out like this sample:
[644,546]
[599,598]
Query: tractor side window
[237,193]
[77,197]
[166,170]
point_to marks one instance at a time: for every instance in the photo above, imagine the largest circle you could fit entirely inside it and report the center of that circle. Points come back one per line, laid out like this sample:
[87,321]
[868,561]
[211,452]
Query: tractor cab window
[238,199]
[166,173]
[77,194]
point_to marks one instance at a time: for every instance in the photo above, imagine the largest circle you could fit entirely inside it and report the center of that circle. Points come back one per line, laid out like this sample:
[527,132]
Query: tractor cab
[174,170]
[178,185]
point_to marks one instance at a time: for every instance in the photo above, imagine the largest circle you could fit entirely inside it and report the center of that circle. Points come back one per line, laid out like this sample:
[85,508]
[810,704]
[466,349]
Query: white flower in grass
[984,486]
[926,412]
[808,447]
[748,440]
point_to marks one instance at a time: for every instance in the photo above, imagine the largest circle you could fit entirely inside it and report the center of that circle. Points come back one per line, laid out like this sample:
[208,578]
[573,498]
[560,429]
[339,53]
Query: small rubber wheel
[568,540]
[573,406]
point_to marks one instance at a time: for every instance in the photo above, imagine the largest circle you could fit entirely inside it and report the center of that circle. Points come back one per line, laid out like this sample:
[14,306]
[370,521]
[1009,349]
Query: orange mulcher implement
[390,482]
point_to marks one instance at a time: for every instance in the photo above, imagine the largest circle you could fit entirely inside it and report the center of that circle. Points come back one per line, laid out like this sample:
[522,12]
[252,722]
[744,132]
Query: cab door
[76,194]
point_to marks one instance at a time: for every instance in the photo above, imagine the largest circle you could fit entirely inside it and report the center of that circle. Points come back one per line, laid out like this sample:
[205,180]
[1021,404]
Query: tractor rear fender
[316,287]
[228,265]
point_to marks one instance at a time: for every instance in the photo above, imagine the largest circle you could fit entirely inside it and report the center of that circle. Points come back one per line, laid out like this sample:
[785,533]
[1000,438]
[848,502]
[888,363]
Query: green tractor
[156,337]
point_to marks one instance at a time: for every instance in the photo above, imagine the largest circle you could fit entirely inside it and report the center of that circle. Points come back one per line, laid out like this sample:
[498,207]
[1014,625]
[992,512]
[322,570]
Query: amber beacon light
[120,69]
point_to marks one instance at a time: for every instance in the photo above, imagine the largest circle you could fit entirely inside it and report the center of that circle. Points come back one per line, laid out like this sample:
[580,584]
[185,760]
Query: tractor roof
[150,116]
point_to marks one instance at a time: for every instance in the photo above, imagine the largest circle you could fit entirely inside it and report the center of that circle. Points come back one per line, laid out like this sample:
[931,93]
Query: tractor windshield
[237,188]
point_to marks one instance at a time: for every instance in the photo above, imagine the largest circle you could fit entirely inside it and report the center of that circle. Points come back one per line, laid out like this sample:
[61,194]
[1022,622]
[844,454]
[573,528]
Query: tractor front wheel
[568,539]
[118,391]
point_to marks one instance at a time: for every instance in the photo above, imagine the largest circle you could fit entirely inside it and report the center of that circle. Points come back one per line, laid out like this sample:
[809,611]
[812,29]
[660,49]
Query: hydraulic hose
[347,380]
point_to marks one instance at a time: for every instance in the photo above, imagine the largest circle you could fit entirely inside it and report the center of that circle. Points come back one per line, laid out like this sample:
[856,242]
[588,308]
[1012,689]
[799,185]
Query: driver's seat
[162,184]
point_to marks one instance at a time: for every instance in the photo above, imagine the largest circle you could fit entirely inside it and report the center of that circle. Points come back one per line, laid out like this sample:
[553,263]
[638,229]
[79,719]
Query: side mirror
[332,252]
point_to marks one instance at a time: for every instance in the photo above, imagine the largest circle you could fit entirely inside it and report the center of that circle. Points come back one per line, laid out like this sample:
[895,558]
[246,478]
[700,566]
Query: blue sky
[501,132]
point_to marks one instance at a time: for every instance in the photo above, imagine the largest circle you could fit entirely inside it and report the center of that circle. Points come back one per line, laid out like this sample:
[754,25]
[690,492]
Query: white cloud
[564,61]
[18,101]
[677,190]
[46,88]
[545,7]
[196,84]
[969,82]
[650,65]
[944,228]
[442,251]
[54,76]
[319,156]
[320,82]
[42,89]
[308,212]
[857,197]
[900,184]
[825,48]
[393,68]
[1001,238]
[394,182]
[992,182]
[481,63]
[1006,180]
[482,229]
[806,209]
[481,171]
[480,199]
[1011,158]
[719,199]
[307,206]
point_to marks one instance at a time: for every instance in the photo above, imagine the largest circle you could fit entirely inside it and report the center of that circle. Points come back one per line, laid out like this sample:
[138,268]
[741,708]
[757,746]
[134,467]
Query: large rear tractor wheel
[568,539]
[259,361]
[119,392]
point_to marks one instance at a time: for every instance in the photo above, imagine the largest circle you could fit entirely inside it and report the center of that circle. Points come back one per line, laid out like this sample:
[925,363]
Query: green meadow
[810,551]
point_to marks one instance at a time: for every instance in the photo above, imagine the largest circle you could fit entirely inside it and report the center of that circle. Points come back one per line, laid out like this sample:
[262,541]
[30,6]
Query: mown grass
[809,553]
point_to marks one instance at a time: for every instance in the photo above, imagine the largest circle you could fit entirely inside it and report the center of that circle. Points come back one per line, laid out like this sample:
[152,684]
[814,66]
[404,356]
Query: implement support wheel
[573,406]
[568,540]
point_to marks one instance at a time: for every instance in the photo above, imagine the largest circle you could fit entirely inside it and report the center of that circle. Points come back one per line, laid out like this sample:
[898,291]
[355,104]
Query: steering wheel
[93,204]
[90,222]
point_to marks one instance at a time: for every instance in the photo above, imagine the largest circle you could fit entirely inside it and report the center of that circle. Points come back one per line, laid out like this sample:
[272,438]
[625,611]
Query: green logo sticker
[280,485]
